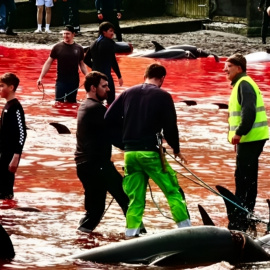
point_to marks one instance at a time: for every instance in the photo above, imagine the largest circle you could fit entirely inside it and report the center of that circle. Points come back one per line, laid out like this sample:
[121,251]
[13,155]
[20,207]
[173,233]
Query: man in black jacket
[138,115]
[93,154]
[101,57]
[263,6]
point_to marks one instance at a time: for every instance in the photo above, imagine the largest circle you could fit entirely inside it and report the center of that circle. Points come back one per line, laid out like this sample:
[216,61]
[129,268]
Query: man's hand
[100,16]
[236,139]
[13,165]
[259,9]
[182,158]
[39,81]
[120,81]
[119,16]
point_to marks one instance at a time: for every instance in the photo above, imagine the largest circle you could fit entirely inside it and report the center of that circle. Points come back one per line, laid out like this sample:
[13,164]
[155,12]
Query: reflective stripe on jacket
[259,130]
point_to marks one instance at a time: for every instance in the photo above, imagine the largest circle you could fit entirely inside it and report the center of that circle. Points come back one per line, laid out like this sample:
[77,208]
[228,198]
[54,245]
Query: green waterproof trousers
[139,166]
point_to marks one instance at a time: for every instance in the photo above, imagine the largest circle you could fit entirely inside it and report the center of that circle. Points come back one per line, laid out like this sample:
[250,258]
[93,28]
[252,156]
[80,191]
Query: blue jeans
[66,91]
[2,16]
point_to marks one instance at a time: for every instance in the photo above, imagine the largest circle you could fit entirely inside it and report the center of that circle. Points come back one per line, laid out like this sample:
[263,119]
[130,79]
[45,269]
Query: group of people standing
[107,10]
[133,122]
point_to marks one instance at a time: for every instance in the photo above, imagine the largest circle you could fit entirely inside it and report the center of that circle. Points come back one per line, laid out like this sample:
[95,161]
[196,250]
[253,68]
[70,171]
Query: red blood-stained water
[46,178]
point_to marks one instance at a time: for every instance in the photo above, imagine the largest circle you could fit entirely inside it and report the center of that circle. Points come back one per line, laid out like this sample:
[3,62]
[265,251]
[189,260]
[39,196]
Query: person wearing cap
[264,7]
[138,115]
[110,11]
[69,56]
[248,132]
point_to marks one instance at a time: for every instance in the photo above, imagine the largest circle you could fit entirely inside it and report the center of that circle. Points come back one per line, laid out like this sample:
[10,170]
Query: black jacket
[247,98]
[92,138]
[138,114]
[108,5]
[264,4]
[12,128]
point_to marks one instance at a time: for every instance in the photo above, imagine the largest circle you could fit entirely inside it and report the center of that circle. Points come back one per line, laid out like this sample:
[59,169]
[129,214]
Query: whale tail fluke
[158,47]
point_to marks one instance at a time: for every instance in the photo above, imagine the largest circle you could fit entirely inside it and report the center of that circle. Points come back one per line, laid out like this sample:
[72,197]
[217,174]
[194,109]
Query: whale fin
[62,129]
[205,217]
[221,105]
[159,260]
[230,207]
[216,57]
[158,47]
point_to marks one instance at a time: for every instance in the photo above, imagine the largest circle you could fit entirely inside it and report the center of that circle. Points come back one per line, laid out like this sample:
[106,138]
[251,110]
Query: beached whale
[183,246]
[177,52]
[120,47]
[257,57]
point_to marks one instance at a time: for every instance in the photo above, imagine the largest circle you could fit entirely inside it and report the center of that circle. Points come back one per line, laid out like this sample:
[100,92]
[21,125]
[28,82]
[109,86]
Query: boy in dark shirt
[12,134]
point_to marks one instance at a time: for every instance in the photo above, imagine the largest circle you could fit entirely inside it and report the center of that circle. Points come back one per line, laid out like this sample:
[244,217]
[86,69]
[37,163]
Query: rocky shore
[220,43]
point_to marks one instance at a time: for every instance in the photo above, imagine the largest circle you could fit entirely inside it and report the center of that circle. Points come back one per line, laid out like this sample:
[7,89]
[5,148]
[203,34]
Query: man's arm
[45,69]
[114,122]
[14,163]
[247,98]
[83,67]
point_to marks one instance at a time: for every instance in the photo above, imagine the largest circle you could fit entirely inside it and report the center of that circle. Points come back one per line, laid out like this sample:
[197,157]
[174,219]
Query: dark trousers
[265,24]
[11,12]
[246,180]
[97,181]
[70,11]
[6,177]
[111,93]
[66,92]
[111,16]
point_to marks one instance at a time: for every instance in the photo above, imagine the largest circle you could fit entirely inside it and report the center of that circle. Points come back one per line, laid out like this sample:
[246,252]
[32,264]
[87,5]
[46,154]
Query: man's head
[96,85]
[106,29]
[68,34]
[8,85]
[234,65]
[155,72]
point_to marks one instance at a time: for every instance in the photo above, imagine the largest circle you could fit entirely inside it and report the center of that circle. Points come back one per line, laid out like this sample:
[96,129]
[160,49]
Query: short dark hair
[93,78]
[155,71]
[69,28]
[10,79]
[105,26]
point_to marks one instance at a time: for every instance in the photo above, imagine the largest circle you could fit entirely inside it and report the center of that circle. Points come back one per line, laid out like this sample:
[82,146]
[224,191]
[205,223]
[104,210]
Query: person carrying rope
[69,56]
[137,115]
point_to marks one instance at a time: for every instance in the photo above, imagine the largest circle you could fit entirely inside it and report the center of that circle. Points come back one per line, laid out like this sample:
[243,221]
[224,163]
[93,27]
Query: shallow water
[46,178]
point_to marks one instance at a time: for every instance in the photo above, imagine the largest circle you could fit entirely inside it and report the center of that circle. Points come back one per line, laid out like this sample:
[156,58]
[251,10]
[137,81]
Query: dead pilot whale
[258,57]
[177,52]
[183,246]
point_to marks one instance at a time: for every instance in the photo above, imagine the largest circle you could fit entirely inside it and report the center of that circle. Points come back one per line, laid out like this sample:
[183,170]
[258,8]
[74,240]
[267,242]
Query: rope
[205,185]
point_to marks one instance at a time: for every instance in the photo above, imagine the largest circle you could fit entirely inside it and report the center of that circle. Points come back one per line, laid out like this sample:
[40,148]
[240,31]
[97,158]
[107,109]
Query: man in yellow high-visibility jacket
[248,131]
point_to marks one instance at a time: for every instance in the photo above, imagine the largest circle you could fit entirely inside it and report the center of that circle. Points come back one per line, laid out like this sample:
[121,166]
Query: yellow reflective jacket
[259,130]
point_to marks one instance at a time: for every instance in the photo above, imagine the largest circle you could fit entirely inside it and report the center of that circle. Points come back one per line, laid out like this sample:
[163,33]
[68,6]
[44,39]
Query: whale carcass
[190,245]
